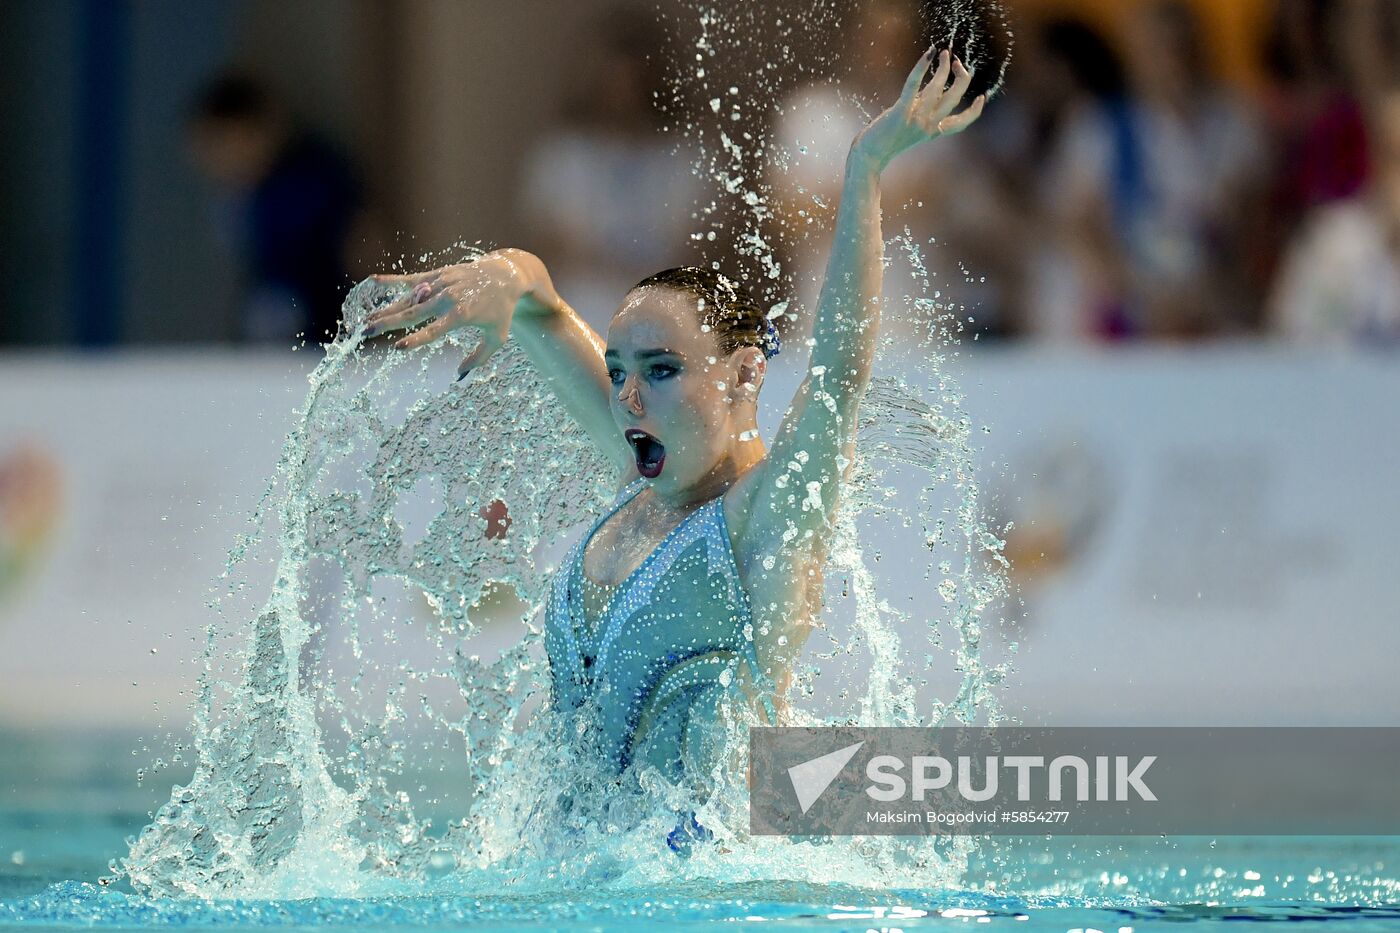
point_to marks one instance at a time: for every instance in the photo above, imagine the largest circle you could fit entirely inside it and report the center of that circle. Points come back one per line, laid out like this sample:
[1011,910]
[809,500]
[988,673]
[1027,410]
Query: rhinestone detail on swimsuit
[667,632]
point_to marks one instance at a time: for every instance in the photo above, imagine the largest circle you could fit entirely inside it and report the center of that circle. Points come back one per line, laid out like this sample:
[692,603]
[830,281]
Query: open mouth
[649,452]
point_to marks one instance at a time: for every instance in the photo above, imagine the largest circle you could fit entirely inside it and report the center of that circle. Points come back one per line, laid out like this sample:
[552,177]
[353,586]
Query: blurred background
[218,173]
[1176,238]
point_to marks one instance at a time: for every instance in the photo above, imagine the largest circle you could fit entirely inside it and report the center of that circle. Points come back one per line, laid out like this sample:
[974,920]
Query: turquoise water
[67,804]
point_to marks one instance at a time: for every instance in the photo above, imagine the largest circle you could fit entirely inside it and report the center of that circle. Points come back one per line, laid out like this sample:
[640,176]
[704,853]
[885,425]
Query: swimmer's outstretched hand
[481,294]
[920,115]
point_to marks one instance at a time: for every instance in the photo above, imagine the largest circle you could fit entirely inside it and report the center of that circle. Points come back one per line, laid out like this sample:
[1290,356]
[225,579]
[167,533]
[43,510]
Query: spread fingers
[959,122]
[947,102]
[424,335]
[916,77]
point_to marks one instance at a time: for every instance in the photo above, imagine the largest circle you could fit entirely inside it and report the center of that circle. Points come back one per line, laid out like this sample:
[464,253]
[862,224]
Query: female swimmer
[705,575]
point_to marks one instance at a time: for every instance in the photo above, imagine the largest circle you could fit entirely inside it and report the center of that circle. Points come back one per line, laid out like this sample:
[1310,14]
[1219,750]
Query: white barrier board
[1203,537]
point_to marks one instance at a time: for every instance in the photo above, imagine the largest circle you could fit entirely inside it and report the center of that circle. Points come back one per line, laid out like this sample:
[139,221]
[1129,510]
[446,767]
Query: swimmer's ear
[752,368]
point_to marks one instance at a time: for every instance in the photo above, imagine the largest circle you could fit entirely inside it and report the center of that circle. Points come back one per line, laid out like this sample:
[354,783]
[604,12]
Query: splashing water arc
[376,653]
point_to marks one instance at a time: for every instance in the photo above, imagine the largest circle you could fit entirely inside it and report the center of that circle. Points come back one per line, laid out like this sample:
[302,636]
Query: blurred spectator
[286,204]
[1070,159]
[1203,153]
[1316,105]
[609,197]
[1144,186]
[1340,281]
[1315,121]
[938,192]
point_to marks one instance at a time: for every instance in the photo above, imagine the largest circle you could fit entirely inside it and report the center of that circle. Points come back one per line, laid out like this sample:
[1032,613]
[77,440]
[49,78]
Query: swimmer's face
[680,403]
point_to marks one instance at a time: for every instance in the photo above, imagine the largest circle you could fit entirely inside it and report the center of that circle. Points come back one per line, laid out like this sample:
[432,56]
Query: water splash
[384,650]
[265,796]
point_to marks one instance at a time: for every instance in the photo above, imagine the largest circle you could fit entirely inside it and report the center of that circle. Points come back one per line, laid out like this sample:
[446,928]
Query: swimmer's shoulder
[749,540]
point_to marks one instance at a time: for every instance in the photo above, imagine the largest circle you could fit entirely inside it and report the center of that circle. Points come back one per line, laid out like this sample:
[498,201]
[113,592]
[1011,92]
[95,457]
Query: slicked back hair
[729,309]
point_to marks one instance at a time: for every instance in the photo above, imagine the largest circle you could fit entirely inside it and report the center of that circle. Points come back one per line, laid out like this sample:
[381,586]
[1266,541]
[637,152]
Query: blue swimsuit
[664,651]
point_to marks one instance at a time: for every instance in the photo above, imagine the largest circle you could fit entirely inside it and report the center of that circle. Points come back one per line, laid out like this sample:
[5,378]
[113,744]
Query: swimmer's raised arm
[508,293]
[796,496]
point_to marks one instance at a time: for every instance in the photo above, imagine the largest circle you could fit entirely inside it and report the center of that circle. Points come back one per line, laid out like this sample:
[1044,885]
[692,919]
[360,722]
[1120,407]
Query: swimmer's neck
[741,457]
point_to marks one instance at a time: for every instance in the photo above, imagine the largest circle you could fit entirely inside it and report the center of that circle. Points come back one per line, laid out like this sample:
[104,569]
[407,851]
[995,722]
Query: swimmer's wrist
[539,301]
[536,296]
